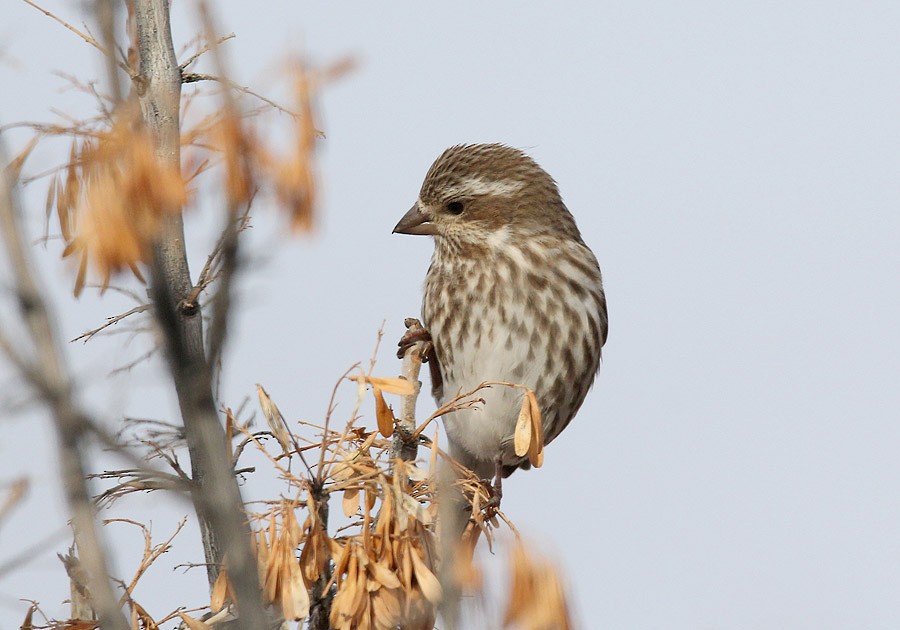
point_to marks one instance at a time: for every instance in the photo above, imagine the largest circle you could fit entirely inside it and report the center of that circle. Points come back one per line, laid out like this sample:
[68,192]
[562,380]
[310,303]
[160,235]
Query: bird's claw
[495,487]
[415,333]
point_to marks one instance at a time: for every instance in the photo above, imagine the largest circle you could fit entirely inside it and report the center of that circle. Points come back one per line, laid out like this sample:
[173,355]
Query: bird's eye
[455,207]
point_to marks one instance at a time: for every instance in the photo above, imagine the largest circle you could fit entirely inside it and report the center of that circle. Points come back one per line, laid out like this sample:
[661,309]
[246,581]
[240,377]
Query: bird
[512,294]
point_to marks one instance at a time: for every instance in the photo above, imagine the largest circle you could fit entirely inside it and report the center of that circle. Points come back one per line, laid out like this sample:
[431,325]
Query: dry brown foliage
[381,566]
[111,195]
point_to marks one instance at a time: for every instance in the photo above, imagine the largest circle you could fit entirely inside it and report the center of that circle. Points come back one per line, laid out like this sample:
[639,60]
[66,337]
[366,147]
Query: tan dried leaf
[415,509]
[342,553]
[428,583]
[343,607]
[537,599]
[536,446]
[399,386]
[271,584]
[68,195]
[360,594]
[522,437]
[219,591]
[116,195]
[27,623]
[467,573]
[295,596]
[292,528]
[262,556]
[295,181]
[351,501]
[81,276]
[194,624]
[386,609]
[537,460]
[315,553]
[383,414]
[274,419]
[384,575]
[371,497]
[14,168]
[50,203]
[239,151]
[419,613]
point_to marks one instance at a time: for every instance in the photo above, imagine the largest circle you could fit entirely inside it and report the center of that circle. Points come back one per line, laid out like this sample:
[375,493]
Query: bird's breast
[529,315]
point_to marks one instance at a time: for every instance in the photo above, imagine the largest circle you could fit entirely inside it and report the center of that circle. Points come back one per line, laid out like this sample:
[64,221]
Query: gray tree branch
[216,494]
[48,375]
[405,444]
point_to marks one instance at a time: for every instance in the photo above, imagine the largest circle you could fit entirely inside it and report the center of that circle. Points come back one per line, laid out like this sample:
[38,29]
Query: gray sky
[735,168]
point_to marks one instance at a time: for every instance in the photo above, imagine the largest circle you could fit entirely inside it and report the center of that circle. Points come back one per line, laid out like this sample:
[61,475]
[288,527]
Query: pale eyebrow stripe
[476,186]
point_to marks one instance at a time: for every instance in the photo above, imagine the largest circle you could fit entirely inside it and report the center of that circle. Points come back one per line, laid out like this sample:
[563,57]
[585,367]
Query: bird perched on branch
[512,294]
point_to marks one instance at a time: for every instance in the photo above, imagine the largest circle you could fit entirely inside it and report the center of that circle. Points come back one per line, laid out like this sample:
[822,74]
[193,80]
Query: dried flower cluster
[380,570]
[382,567]
[249,164]
[114,197]
[114,192]
[386,578]
[280,573]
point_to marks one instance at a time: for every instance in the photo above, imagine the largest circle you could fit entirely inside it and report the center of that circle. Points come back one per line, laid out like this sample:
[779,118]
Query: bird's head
[473,191]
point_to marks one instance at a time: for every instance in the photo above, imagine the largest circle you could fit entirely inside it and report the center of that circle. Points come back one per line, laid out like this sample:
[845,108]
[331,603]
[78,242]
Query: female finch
[512,294]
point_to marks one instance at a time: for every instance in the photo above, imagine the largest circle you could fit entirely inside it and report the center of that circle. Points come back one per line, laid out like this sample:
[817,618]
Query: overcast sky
[733,165]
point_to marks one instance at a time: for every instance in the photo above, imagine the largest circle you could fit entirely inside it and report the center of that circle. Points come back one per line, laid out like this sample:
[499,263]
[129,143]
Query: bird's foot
[496,487]
[415,333]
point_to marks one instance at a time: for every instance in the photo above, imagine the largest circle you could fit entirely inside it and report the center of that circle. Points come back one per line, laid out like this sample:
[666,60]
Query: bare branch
[205,48]
[86,37]
[209,273]
[226,255]
[138,480]
[216,493]
[405,444]
[194,77]
[106,10]
[50,378]
[111,321]
[151,551]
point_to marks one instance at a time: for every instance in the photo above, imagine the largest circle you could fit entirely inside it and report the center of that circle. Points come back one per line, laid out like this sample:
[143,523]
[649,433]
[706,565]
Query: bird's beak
[415,222]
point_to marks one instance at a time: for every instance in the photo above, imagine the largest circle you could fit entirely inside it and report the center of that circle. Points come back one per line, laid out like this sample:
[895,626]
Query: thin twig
[151,551]
[87,38]
[184,64]
[321,472]
[194,77]
[207,273]
[111,321]
[462,401]
[105,11]
[134,362]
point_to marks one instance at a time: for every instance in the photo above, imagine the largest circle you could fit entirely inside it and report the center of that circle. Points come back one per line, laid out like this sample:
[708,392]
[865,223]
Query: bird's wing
[437,381]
